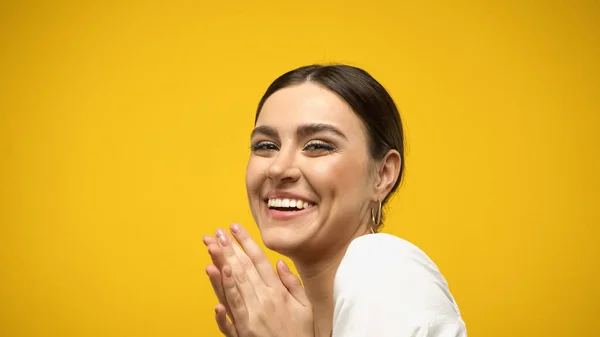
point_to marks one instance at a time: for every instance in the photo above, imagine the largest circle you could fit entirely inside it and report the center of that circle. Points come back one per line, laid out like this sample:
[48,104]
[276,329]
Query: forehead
[306,103]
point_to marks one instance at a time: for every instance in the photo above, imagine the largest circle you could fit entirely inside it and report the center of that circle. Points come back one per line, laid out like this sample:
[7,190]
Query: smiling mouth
[288,205]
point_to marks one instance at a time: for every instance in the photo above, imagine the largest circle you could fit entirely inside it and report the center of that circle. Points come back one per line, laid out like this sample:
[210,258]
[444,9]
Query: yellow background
[124,136]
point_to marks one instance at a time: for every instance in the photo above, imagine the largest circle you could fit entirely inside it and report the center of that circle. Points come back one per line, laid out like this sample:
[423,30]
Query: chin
[290,233]
[284,240]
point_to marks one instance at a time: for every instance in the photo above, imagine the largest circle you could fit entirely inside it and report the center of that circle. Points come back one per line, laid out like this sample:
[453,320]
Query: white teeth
[288,203]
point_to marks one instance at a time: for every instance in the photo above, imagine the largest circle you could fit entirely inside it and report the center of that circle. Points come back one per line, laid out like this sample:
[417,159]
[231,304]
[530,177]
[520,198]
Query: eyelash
[263,146]
[318,145]
[311,146]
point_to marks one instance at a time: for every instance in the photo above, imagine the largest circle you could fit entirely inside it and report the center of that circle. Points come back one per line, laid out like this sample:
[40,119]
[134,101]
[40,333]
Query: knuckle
[255,258]
[268,303]
[237,303]
[228,283]
[247,263]
[241,278]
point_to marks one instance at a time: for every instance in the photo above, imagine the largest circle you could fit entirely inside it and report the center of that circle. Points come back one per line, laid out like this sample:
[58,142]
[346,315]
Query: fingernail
[223,241]
[235,228]
[284,266]
[220,235]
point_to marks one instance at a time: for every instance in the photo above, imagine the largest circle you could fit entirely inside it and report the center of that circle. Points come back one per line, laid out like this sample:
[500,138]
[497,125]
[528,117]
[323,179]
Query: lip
[287,215]
[287,195]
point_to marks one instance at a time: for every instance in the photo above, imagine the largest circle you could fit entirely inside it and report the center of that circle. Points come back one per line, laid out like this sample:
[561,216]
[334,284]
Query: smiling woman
[327,153]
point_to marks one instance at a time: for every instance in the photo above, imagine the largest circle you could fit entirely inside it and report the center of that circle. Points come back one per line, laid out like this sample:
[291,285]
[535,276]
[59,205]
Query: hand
[213,271]
[259,302]
[222,310]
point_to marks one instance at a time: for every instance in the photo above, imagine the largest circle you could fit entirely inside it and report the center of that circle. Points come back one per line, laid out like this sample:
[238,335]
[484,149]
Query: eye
[264,147]
[317,145]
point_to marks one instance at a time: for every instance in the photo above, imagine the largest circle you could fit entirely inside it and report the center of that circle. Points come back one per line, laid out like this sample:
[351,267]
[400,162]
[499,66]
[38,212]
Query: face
[308,180]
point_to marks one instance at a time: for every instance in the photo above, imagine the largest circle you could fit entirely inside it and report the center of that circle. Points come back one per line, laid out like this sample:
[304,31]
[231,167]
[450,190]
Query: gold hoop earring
[376,218]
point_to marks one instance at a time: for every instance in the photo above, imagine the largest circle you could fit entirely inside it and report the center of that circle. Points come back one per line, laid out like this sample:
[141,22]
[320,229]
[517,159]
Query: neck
[318,278]
[318,283]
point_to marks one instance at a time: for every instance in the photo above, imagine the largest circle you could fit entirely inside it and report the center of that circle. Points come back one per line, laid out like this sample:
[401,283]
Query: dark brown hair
[367,98]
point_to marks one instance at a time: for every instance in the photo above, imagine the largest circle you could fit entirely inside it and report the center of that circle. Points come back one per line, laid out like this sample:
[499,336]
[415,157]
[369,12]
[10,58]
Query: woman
[327,153]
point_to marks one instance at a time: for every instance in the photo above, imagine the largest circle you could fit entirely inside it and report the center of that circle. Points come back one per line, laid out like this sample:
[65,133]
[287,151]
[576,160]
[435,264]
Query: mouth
[286,209]
[288,205]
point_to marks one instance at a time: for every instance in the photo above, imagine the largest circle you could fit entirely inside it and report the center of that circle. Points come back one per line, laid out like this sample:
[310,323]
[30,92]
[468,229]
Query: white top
[385,286]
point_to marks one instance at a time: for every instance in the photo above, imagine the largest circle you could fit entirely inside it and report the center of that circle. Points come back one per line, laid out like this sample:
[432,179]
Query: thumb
[292,283]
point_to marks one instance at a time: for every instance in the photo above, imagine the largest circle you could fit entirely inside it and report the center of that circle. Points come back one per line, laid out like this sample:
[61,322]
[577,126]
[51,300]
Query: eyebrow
[265,131]
[312,128]
[303,131]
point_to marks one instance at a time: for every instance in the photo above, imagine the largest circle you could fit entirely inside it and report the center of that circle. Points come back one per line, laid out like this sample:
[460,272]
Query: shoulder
[384,258]
[389,281]
[390,246]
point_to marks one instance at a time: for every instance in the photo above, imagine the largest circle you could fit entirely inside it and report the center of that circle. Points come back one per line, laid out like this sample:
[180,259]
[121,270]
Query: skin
[328,163]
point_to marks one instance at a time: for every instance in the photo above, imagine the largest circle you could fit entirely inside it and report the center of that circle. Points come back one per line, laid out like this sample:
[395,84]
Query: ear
[387,174]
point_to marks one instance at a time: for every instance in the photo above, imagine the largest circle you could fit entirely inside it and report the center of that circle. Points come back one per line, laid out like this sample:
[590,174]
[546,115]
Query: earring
[376,218]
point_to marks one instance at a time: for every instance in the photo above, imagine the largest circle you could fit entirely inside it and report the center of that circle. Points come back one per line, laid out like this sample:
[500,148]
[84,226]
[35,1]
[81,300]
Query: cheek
[338,173]
[254,175]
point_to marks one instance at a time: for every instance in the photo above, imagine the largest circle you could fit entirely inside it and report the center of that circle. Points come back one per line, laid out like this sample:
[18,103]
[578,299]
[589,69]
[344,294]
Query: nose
[283,167]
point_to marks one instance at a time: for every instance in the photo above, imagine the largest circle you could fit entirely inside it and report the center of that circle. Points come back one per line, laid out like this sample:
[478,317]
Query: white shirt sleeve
[385,286]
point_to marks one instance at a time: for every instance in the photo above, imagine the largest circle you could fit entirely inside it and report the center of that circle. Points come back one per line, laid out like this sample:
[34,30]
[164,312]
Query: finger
[233,296]
[213,247]
[215,280]
[225,326]
[292,283]
[245,274]
[216,254]
[207,239]
[256,255]
[245,271]
[247,264]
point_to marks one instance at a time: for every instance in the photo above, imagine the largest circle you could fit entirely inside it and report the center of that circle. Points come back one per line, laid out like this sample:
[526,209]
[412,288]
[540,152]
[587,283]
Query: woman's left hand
[260,302]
